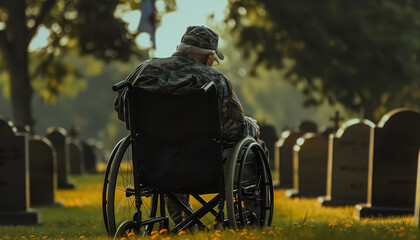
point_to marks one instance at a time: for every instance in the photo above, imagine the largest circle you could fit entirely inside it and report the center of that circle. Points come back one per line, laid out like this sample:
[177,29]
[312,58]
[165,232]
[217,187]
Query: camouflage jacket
[179,72]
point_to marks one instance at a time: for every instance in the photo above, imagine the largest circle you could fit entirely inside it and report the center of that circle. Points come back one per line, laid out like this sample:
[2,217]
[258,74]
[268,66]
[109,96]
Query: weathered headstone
[417,206]
[77,158]
[14,177]
[348,163]
[43,171]
[393,166]
[283,153]
[269,136]
[58,137]
[310,157]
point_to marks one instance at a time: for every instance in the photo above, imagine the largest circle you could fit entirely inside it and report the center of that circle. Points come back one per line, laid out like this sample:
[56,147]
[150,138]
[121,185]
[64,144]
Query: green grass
[81,218]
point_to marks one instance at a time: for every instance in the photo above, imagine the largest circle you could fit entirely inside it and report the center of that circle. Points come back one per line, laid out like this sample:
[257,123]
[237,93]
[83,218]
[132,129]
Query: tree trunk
[20,86]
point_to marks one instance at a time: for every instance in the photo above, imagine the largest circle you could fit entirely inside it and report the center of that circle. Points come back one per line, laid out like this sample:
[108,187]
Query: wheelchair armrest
[120,85]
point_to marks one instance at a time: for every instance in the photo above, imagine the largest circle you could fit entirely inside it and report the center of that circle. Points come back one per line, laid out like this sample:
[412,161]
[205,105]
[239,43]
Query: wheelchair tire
[106,181]
[121,206]
[120,175]
[249,187]
[126,229]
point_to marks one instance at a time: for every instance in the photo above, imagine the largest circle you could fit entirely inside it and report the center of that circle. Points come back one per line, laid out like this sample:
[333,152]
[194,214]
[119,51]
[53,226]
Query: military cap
[202,37]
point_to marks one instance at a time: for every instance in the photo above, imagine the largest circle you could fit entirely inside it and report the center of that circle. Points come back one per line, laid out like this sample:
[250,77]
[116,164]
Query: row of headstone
[283,153]
[33,167]
[372,166]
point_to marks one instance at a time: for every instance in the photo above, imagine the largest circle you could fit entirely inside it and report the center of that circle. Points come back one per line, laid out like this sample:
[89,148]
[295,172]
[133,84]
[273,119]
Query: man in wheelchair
[189,69]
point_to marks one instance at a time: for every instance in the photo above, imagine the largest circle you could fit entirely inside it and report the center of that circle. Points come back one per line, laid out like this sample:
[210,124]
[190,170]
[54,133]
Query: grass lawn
[81,218]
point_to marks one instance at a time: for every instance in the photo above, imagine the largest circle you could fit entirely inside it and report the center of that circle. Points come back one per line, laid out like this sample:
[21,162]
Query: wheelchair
[175,146]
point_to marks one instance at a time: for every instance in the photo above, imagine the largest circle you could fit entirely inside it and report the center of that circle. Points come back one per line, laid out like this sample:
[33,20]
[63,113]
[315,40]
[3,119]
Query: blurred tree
[85,27]
[357,53]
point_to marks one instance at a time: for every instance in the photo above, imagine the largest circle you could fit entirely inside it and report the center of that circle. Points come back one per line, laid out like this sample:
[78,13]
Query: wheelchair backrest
[177,145]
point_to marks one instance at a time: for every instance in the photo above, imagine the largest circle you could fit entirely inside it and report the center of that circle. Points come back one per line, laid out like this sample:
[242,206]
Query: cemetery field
[81,218]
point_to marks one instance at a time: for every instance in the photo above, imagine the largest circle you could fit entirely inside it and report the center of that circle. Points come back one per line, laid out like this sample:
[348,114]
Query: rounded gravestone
[43,171]
[92,154]
[310,157]
[58,137]
[77,158]
[393,165]
[14,177]
[348,163]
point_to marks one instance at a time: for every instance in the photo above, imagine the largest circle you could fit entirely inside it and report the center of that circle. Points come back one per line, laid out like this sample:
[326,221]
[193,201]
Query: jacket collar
[184,55]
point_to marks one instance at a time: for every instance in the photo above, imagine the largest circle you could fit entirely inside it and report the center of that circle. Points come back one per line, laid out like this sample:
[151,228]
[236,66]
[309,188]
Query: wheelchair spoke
[124,180]
[125,210]
[119,205]
[259,183]
[144,203]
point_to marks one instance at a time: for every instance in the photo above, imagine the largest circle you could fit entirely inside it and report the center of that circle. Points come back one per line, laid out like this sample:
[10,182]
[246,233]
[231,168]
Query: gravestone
[283,153]
[416,220]
[269,135]
[58,137]
[43,171]
[92,154]
[14,177]
[310,157]
[77,158]
[393,166]
[348,161]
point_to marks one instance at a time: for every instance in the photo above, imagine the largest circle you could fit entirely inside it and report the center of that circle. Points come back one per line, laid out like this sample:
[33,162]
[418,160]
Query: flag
[148,19]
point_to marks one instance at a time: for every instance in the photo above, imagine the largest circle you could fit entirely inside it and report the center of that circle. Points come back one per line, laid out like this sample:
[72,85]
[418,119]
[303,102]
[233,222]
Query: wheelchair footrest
[154,220]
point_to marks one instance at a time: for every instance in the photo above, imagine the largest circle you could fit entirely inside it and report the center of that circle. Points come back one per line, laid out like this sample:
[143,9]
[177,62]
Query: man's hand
[252,123]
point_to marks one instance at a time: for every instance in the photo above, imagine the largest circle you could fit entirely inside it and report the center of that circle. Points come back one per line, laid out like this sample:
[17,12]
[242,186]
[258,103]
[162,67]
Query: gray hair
[186,48]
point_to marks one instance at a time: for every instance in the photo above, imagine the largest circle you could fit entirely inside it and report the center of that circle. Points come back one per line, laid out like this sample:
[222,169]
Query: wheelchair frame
[235,191]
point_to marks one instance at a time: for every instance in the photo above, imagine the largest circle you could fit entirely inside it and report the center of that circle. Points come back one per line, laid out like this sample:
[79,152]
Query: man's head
[201,43]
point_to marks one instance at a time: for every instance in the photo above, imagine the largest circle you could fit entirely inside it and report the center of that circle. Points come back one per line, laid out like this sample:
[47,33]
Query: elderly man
[191,67]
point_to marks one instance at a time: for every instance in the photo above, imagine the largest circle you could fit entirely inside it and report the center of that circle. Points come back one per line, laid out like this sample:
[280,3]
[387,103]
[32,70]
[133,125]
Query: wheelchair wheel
[106,181]
[121,205]
[126,229]
[249,186]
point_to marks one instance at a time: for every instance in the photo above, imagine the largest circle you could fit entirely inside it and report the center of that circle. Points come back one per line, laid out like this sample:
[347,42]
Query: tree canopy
[74,26]
[362,54]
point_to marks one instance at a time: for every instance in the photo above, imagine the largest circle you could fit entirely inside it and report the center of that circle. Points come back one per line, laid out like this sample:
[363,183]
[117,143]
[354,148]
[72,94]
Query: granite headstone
[14,177]
[310,158]
[77,158]
[393,166]
[58,137]
[43,171]
[92,154]
[348,161]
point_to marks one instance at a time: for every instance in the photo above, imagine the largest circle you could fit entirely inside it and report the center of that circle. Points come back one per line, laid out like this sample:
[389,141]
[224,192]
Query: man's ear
[210,59]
